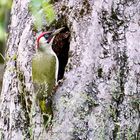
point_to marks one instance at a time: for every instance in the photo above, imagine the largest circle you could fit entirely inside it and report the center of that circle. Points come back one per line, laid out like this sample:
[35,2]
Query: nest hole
[61,48]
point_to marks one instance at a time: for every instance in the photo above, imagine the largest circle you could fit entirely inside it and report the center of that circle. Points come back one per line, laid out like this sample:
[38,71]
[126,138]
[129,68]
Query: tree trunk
[17,87]
[99,97]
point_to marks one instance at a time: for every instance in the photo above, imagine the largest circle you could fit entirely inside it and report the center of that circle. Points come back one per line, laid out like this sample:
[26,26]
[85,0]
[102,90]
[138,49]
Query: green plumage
[44,70]
[44,74]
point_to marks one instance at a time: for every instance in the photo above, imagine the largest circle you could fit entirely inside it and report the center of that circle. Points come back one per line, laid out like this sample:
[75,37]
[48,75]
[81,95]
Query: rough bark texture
[99,98]
[1,75]
[17,88]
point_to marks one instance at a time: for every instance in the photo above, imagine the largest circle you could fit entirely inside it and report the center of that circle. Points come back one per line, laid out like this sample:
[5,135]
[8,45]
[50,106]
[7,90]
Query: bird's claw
[49,120]
[60,82]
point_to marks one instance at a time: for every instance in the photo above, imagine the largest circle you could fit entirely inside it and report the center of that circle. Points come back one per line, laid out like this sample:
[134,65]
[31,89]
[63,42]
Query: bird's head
[45,39]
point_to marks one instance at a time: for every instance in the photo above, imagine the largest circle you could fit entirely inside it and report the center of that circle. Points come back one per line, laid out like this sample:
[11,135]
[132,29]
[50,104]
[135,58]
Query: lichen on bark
[16,93]
[99,97]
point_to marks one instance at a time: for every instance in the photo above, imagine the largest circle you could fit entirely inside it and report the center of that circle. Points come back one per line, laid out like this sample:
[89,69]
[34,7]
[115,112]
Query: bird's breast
[44,68]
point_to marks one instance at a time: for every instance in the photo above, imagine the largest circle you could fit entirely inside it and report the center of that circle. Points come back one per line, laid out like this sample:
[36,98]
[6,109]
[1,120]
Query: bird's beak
[54,33]
[57,31]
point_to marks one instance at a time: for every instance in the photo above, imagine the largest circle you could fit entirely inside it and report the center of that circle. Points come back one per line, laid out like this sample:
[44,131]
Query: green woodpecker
[45,72]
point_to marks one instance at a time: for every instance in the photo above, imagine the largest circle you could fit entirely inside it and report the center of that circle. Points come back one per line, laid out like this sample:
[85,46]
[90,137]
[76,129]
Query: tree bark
[99,97]
[17,87]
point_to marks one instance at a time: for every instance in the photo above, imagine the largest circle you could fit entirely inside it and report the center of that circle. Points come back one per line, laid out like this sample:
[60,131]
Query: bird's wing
[44,71]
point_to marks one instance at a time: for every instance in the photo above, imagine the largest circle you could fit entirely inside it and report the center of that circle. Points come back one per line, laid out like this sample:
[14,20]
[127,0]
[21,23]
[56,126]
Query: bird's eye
[46,36]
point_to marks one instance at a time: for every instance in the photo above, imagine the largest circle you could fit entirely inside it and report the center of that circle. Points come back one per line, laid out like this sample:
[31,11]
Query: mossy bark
[16,96]
[99,97]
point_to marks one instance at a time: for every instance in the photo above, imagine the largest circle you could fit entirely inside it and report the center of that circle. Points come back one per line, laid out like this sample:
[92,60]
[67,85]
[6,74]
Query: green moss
[112,112]
[116,131]
[52,1]
[14,57]
[2,59]
[7,57]
[23,94]
[129,134]
[135,101]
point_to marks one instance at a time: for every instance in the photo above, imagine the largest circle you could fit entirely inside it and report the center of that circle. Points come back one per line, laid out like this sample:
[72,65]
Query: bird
[45,67]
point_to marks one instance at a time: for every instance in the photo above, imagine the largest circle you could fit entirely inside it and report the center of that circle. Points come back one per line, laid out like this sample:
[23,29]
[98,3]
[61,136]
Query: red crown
[42,34]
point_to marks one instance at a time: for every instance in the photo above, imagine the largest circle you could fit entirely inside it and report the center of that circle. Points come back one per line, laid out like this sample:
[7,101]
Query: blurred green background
[5,7]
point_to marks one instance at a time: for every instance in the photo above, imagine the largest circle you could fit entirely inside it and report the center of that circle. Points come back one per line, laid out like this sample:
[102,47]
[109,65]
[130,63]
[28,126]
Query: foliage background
[5,6]
[43,13]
